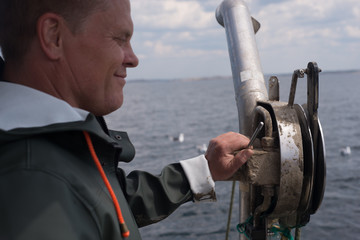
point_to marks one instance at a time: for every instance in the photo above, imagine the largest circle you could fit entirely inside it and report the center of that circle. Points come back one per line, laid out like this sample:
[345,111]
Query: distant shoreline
[230,77]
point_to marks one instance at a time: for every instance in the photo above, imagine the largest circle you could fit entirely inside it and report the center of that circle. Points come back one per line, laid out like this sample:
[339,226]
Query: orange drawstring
[124,230]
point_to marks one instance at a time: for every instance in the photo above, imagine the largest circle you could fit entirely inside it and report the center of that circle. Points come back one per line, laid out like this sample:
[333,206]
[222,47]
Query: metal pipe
[248,78]
[247,74]
[245,206]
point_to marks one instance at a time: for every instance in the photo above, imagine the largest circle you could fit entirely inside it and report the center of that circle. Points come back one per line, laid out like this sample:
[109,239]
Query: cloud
[161,49]
[171,14]
[353,31]
[178,44]
[172,32]
[301,30]
[307,17]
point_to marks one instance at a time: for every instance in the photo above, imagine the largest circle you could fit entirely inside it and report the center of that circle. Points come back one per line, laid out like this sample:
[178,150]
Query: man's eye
[120,39]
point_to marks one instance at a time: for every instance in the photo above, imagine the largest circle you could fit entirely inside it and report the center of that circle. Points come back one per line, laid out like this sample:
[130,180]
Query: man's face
[97,58]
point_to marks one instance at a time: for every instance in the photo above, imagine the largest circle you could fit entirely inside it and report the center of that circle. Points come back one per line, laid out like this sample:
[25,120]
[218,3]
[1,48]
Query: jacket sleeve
[153,198]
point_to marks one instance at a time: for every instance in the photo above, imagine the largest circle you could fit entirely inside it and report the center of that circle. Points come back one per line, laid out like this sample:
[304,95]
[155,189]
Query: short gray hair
[18,19]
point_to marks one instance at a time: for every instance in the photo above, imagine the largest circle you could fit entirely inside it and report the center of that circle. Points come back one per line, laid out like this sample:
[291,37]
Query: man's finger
[242,157]
[235,141]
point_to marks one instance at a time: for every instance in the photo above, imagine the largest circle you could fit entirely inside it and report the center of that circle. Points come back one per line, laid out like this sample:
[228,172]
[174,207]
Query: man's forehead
[123,3]
[118,16]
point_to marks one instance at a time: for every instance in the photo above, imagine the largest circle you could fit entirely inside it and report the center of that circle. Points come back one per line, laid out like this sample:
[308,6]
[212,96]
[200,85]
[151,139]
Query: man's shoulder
[59,153]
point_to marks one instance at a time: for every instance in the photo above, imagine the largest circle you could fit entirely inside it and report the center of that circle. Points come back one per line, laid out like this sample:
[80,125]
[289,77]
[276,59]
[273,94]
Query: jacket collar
[25,111]
[24,107]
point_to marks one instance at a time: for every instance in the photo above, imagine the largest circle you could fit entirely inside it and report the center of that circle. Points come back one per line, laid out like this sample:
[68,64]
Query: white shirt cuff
[198,174]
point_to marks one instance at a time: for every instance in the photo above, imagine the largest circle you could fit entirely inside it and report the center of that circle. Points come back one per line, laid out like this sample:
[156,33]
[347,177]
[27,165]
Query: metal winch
[284,182]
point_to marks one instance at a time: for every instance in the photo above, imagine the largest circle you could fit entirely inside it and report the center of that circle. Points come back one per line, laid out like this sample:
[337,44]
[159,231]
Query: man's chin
[105,108]
[115,105]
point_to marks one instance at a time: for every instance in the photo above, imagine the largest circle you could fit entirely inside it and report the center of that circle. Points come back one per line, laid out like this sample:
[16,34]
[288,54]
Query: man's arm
[152,198]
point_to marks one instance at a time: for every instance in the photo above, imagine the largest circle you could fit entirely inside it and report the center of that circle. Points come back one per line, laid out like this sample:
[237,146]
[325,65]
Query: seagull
[346,151]
[179,138]
[201,148]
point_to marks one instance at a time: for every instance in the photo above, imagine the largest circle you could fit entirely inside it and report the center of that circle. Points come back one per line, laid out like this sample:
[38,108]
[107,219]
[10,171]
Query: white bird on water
[179,138]
[346,151]
[201,148]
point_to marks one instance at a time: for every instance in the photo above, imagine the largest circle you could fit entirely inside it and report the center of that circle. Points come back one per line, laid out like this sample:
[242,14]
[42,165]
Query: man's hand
[220,155]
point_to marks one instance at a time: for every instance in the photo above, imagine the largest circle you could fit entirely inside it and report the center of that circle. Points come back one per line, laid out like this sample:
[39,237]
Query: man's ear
[49,32]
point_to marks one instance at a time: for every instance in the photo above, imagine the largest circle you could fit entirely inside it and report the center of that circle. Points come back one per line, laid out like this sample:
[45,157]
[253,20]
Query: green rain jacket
[49,185]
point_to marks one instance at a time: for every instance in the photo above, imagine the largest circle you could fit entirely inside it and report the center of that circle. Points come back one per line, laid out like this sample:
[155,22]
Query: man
[65,63]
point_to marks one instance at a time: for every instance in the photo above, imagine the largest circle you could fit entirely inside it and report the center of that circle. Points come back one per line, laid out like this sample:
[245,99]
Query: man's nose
[131,60]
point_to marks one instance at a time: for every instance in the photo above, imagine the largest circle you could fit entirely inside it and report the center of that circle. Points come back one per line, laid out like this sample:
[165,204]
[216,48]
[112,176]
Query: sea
[156,111]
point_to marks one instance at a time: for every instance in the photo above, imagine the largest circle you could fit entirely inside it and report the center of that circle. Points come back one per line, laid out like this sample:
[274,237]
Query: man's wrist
[198,174]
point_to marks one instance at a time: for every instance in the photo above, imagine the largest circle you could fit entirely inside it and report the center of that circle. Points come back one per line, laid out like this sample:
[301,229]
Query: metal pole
[246,69]
[247,74]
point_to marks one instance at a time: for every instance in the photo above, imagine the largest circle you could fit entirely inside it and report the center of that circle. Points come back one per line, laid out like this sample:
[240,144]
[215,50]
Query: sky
[176,39]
